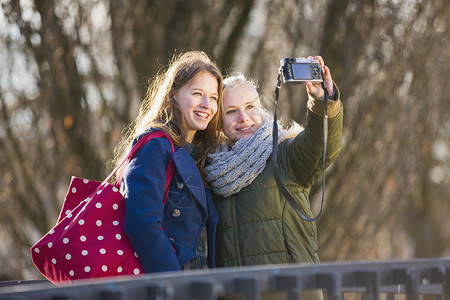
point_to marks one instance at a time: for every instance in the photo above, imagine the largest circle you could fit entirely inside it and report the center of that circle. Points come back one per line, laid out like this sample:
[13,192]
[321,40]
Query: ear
[175,96]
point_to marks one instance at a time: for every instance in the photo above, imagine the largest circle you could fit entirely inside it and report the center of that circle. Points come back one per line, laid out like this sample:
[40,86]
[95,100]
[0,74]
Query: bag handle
[132,153]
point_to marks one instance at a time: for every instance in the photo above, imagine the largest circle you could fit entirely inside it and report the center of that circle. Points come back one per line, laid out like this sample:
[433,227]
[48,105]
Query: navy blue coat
[189,207]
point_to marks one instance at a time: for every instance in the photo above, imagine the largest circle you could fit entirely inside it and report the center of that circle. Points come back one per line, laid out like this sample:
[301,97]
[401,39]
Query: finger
[310,87]
[307,83]
[314,89]
[326,72]
[328,80]
[320,59]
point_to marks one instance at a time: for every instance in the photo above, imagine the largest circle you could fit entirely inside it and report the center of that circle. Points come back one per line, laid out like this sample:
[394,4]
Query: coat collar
[188,171]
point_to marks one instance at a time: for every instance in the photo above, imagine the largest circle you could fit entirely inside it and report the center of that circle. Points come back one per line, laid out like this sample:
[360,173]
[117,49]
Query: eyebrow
[200,89]
[248,102]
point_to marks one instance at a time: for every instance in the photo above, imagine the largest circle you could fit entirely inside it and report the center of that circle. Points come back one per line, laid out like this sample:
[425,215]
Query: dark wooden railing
[412,279]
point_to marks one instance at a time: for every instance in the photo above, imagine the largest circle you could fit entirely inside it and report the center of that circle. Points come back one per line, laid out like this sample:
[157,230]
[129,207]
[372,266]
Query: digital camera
[298,70]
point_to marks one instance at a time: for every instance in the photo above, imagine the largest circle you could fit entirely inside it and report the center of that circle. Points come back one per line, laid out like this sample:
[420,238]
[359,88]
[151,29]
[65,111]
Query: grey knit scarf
[232,168]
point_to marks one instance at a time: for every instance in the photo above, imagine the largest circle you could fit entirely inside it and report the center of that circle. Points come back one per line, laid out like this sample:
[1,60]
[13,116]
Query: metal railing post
[203,290]
[446,284]
[249,287]
[291,284]
[157,292]
[410,279]
[331,283]
[370,281]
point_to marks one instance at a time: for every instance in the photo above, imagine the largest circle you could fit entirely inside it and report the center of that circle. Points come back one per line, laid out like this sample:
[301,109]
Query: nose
[205,102]
[242,116]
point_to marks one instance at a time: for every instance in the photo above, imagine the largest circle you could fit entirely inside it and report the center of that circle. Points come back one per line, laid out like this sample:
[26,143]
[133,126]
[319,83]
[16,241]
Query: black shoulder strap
[276,172]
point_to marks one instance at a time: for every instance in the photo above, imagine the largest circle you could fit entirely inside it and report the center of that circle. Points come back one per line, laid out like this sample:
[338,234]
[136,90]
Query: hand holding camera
[316,76]
[311,71]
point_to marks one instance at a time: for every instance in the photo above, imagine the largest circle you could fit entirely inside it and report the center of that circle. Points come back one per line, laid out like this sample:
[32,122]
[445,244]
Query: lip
[201,115]
[245,129]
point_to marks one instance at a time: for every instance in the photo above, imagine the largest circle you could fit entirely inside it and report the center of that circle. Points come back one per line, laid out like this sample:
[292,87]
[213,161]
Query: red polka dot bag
[88,240]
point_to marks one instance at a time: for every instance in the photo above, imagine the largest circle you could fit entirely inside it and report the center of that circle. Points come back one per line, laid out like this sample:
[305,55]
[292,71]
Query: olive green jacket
[257,225]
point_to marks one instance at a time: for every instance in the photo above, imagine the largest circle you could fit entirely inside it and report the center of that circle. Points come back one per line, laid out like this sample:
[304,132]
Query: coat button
[176,213]
[180,185]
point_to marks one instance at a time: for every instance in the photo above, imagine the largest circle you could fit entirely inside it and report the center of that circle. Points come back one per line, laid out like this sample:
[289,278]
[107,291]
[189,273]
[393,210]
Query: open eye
[214,98]
[231,111]
[250,106]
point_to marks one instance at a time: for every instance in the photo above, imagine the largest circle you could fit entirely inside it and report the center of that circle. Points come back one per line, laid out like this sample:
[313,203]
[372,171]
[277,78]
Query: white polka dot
[68,211]
[83,238]
[87,199]
[65,228]
[81,222]
[71,273]
[69,216]
[99,192]
[65,240]
[87,269]
[119,269]
[118,236]
[52,231]
[135,254]
[100,237]
[84,252]
[98,223]
[115,206]
[74,190]
[36,250]
[120,252]
[115,189]
[50,244]
[86,180]
[104,268]
[136,271]
[68,256]
[98,205]
[102,251]
[53,261]
[115,223]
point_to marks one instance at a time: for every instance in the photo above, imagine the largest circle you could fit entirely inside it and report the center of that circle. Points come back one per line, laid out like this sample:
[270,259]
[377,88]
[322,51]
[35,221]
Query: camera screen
[301,71]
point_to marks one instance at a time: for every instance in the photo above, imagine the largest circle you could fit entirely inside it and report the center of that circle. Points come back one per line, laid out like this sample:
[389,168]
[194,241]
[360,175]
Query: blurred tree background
[74,72]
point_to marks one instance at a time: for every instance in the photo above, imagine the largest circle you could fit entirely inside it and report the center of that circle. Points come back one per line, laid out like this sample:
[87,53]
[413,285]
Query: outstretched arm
[304,153]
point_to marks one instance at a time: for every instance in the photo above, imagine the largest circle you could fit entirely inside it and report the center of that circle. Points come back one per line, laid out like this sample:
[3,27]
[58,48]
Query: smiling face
[242,112]
[198,101]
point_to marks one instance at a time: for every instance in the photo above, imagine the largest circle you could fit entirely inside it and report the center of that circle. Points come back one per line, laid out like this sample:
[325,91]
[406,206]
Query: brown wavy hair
[160,110]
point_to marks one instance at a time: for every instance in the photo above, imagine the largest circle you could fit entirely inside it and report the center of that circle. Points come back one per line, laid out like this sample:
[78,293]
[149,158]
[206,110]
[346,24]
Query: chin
[201,127]
[244,136]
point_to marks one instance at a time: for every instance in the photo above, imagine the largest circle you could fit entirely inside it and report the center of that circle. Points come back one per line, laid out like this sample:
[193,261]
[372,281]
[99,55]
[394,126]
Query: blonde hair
[236,80]
[159,109]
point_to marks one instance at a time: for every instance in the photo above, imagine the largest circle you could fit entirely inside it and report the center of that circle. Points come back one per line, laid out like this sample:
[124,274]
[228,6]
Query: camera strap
[276,172]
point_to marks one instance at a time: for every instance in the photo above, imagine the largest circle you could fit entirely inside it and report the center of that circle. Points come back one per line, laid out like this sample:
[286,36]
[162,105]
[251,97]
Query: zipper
[235,231]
